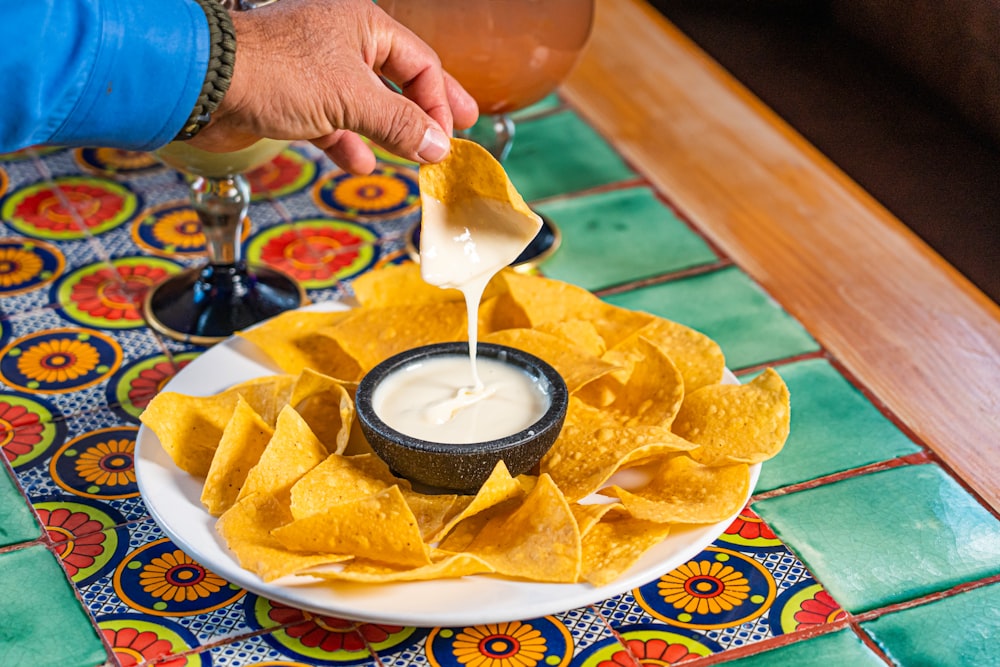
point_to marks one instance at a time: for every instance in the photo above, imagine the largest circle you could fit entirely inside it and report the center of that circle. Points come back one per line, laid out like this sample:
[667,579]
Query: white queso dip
[434,399]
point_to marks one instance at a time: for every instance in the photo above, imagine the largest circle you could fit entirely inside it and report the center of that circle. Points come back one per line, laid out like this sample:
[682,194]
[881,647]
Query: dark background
[907,146]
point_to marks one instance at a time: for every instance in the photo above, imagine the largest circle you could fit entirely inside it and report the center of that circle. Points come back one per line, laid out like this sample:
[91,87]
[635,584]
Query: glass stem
[222,204]
[495,133]
[503,136]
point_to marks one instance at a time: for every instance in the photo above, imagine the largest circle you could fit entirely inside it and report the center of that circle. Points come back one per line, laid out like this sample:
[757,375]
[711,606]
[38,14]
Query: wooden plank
[919,335]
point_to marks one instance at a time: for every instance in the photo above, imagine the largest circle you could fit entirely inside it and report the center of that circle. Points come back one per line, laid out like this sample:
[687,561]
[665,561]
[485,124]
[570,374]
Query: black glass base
[205,305]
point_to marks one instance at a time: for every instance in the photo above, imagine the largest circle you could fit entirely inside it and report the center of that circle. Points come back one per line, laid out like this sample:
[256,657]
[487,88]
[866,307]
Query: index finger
[407,61]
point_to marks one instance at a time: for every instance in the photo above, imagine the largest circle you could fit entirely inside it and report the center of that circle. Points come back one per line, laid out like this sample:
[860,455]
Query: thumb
[400,126]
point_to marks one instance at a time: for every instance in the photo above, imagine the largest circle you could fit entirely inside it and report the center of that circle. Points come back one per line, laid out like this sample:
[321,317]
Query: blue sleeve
[119,73]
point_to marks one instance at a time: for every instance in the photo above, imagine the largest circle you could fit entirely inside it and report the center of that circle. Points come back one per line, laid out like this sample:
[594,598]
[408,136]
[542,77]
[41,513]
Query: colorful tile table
[873,538]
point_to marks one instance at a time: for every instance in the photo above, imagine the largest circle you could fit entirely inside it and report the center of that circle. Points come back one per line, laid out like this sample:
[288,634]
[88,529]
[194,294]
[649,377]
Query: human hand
[313,70]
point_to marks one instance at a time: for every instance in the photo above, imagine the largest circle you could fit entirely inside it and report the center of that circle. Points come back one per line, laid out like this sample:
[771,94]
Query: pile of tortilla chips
[298,491]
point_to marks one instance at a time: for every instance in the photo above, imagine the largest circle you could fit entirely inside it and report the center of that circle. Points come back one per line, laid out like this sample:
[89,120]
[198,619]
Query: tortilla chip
[372,572]
[615,544]
[189,427]
[340,479]
[378,527]
[371,335]
[243,441]
[246,527]
[684,491]
[538,541]
[576,367]
[587,516]
[698,358]
[544,300]
[432,511]
[499,487]
[470,172]
[581,333]
[736,423]
[590,449]
[647,390]
[399,285]
[289,339]
[291,452]
[326,406]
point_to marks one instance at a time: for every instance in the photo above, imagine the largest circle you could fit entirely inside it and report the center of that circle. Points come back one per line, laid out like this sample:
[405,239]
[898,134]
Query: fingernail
[435,145]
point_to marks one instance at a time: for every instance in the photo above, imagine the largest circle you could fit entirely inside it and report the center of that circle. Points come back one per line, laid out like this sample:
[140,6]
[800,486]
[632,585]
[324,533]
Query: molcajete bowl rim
[553,417]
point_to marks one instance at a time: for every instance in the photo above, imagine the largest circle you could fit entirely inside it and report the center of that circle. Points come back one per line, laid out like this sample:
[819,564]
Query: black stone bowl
[462,468]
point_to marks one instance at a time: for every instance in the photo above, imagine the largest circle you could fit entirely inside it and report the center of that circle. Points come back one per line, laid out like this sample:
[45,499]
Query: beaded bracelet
[222,57]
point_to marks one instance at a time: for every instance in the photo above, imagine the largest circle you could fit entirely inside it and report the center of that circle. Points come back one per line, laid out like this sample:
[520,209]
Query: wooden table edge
[904,322]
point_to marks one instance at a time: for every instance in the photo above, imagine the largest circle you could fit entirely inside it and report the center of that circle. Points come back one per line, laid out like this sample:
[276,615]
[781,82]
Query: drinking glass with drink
[508,54]
[208,303]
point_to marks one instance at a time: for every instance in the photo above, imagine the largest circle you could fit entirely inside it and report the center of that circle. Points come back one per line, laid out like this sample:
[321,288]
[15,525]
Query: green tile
[837,648]
[615,237]
[887,536]
[42,622]
[834,428]
[960,630]
[17,521]
[559,154]
[729,307]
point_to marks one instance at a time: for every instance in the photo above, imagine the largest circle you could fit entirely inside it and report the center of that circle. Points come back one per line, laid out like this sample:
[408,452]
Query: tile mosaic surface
[888,536]
[559,154]
[593,223]
[950,632]
[17,524]
[84,232]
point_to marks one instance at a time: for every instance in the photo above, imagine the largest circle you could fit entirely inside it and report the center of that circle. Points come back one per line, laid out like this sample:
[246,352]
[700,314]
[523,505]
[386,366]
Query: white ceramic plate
[173,499]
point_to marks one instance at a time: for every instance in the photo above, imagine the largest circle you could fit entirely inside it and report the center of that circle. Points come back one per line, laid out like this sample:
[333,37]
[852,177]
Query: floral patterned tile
[109,163]
[31,427]
[66,363]
[269,649]
[32,269]
[157,585]
[93,464]
[115,163]
[745,588]
[70,207]
[88,537]
[318,251]
[17,170]
[555,640]
[35,588]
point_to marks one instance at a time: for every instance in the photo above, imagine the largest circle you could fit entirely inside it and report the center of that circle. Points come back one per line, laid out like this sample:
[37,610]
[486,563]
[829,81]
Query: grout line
[626,184]
[756,648]
[783,361]
[917,458]
[963,587]
[870,643]
[662,278]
